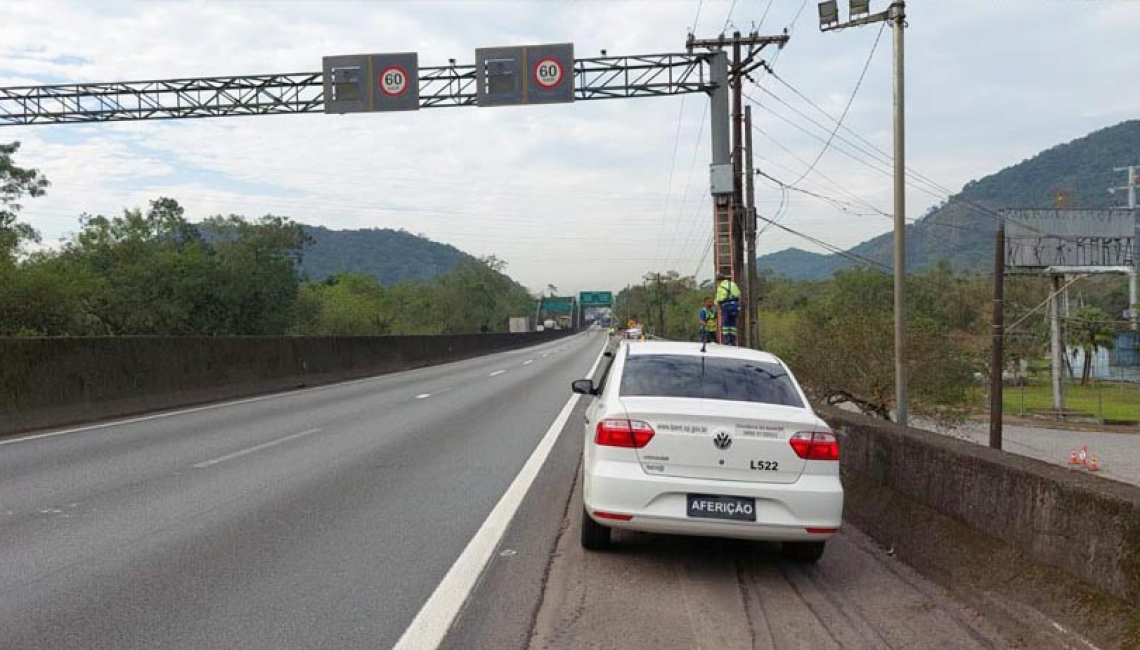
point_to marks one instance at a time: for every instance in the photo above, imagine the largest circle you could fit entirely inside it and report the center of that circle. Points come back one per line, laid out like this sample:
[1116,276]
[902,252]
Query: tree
[841,346]
[150,272]
[256,273]
[16,183]
[1091,330]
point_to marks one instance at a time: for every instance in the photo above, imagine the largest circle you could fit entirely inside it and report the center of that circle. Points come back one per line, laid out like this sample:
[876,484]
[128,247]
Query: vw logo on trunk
[722,440]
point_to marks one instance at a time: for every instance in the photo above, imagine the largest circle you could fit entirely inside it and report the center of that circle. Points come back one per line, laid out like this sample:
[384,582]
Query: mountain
[961,233]
[389,255]
[801,264]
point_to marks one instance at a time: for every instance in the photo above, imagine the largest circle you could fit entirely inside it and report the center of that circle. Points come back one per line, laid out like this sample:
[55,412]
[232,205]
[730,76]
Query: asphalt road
[1117,451]
[327,518]
[322,518]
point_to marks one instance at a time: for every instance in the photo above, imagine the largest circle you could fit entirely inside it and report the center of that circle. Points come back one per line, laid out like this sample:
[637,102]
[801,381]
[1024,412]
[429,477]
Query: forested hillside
[962,234]
[390,256]
[157,272]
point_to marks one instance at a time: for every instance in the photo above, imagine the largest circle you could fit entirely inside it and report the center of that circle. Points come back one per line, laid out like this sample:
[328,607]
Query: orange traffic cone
[1092,464]
[1073,459]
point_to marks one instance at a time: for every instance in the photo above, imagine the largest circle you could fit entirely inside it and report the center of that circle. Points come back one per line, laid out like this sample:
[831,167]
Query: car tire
[806,552]
[595,537]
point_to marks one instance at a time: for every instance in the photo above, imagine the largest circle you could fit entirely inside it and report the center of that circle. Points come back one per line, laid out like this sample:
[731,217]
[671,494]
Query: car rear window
[740,380]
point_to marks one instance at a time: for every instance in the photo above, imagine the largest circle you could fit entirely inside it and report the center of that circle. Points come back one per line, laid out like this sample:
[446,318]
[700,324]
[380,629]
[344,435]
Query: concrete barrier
[58,381]
[1086,526]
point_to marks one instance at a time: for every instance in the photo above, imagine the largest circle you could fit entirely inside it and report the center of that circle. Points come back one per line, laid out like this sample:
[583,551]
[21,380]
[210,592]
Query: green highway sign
[596,298]
[557,304]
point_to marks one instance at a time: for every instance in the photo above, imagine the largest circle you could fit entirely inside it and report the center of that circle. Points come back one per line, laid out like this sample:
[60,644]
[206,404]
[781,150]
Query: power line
[855,257]
[888,158]
[688,182]
[847,107]
[885,160]
[940,191]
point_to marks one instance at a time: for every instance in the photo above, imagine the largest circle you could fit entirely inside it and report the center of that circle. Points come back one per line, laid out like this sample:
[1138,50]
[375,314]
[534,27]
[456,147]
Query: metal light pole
[898,22]
[896,16]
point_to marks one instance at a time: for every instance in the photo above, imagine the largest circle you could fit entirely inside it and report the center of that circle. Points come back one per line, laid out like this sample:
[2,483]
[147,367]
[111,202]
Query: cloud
[584,196]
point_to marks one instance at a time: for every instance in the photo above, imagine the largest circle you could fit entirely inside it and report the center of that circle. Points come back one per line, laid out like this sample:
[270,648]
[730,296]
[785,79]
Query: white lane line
[434,619]
[496,373]
[265,445]
[528,362]
[423,396]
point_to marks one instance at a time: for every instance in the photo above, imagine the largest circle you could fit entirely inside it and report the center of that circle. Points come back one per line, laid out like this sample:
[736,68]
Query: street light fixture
[860,8]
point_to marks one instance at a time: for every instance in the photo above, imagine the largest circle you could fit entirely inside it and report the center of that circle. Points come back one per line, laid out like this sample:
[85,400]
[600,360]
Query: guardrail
[1087,526]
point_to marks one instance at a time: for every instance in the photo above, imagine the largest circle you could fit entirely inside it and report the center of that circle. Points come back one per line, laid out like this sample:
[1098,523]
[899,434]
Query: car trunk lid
[720,439]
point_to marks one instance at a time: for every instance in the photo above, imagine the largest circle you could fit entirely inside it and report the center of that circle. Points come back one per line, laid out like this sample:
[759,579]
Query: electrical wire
[939,191]
[847,107]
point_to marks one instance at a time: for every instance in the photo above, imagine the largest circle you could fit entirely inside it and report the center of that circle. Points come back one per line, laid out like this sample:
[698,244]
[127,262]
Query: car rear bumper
[657,504]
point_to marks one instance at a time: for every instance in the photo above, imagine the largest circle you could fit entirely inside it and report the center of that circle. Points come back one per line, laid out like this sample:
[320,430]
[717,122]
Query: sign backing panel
[395,81]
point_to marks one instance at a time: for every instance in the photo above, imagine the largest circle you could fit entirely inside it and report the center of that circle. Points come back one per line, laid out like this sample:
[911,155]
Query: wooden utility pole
[738,268]
[751,282]
[997,363]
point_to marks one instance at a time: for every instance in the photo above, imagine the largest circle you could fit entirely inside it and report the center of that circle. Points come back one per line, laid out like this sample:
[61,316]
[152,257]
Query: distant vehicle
[720,443]
[548,323]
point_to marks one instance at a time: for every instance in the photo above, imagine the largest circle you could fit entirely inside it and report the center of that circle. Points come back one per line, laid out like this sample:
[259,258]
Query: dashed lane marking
[264,445]
[430,625]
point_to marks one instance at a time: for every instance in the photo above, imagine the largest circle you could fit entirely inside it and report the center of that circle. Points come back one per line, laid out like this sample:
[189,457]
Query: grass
[1104,400]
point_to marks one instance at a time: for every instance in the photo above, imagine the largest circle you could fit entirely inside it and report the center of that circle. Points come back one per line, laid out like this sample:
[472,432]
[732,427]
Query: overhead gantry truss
[272,94]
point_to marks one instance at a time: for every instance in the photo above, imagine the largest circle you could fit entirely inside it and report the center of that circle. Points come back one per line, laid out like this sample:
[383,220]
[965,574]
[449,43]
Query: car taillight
[615,432]
[815,445]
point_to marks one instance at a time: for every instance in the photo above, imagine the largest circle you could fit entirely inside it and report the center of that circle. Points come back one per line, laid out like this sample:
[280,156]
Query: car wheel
[807,552]
[595,537]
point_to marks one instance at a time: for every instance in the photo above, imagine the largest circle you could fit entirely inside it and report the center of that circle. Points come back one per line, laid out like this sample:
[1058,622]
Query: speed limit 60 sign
[526,74]
[551,73]
[395,82]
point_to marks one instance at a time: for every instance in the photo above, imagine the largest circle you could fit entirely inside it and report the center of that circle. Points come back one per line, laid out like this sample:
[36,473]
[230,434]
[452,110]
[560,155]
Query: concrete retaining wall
[1084,525]
[52,382]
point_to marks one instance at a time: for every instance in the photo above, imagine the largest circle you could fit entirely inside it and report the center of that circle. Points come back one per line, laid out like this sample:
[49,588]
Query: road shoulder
[501,610]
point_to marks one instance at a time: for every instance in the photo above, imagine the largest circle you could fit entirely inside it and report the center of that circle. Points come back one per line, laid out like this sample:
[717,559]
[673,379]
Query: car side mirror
[583,387]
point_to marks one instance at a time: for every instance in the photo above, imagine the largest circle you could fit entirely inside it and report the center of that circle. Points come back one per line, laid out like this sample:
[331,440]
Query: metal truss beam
[651,75]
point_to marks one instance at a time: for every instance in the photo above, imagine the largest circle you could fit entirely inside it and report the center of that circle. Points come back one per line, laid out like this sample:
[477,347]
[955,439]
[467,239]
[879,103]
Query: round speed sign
[548,72]
[393,81]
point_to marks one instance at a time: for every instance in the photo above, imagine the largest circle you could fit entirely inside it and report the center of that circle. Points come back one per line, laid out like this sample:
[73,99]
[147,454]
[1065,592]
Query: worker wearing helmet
[728,301]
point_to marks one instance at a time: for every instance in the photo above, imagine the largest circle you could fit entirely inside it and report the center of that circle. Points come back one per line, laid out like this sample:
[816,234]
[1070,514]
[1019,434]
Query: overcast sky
[584,196]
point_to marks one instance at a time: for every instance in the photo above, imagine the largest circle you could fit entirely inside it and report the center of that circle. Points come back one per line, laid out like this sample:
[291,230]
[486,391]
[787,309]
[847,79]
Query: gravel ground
[1117,452]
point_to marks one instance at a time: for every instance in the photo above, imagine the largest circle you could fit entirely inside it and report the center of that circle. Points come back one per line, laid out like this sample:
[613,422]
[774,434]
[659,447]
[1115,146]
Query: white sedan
[720,442]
